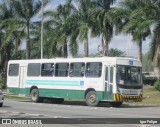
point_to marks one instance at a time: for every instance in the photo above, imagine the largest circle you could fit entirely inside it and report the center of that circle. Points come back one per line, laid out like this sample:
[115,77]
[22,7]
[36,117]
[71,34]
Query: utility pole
[42,20]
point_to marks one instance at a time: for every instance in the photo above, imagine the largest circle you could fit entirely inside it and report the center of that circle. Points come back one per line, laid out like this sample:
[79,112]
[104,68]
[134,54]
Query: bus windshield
[128,75]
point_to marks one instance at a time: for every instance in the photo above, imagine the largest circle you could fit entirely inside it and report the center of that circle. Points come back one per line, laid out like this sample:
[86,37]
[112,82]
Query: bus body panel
[69,87]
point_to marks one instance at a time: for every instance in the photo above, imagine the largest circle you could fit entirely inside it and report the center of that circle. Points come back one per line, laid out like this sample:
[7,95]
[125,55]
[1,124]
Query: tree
[130,19]
[7,26]
[25,11]
[153,15]
[50,46]
[60,23]
[105,26]
[147,65]
[85,23]
[116,53]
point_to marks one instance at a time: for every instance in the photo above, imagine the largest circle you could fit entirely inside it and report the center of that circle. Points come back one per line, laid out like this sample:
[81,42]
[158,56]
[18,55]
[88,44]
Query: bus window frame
[99,73]
[67,69]
[81,70]
[50,70]
[9,70]
[28,74]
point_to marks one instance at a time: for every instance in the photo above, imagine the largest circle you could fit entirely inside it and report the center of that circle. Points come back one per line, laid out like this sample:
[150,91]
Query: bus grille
[121,98]
[132,98]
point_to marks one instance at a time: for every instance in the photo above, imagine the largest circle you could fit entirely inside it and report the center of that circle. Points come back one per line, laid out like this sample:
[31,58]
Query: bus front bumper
[124,98]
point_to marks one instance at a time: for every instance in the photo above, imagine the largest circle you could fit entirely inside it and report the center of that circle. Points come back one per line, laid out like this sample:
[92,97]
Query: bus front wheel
[91,98]
[35,96]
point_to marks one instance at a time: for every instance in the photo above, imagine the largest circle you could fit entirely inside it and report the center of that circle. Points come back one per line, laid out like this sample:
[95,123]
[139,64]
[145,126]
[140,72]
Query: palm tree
[130,19]
[7,26]
[25,11]
[11,26]
[60,24]
[104,27]
[50,46]
[85,23]
[154,17]
[79,23]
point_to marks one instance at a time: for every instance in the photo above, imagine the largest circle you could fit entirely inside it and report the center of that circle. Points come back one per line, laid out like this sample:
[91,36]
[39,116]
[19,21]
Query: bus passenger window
[33,69]
[47,69]
[77,69]
[13,70]
[61,69]
[93,69]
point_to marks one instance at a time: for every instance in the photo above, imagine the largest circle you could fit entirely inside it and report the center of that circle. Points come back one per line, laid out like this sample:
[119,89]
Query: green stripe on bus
[54,83]
[57,93]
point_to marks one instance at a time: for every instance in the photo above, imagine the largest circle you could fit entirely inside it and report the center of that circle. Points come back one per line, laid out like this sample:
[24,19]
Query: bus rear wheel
[35,96]
[116,104]
[91,99]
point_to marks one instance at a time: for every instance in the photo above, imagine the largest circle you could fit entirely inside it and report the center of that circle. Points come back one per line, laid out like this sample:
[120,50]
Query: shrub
[2,86]
[157,85]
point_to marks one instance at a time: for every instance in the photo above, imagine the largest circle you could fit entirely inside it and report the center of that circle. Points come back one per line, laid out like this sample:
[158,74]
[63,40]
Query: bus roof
[77,59]
[112,60]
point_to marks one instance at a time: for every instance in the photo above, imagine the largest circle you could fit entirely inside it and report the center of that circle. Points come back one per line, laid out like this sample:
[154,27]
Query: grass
[16,97]
[150,96]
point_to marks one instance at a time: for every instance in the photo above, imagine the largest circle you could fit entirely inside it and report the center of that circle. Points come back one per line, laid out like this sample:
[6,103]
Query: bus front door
[22,73]
[108,83]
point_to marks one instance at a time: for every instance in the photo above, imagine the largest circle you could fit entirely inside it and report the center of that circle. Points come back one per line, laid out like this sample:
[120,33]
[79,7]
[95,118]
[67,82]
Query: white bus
[107,79]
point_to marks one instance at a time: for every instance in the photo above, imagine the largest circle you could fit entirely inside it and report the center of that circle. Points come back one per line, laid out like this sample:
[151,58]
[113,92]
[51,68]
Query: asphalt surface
[75,113]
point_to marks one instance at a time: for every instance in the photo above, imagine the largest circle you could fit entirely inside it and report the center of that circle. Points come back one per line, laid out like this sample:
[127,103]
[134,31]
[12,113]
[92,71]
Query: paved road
[25,109]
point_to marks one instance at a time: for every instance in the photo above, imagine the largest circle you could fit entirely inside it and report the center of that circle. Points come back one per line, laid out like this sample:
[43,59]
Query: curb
[12,95]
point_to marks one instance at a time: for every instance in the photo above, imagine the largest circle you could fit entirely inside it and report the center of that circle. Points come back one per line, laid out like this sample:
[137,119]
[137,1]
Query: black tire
[57,100]
[116,104]
[91,99]
[1,104]
[35,96]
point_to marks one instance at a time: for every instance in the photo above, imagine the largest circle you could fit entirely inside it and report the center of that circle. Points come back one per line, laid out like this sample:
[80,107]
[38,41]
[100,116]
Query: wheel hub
[92,98]
[34,95]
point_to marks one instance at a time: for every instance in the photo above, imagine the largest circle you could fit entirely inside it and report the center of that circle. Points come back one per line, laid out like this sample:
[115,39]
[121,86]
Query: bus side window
[77,69]
[61,69]
[47,69]
[13,70]
[93,69]
[34,69]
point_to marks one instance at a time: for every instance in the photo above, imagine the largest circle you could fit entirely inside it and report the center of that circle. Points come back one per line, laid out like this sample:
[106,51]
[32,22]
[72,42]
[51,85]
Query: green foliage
[21,55]
[147,63]
[2,84]
[112,53]
[157,85]
[116,53]
[2,78]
